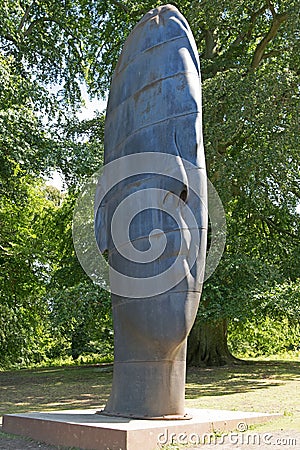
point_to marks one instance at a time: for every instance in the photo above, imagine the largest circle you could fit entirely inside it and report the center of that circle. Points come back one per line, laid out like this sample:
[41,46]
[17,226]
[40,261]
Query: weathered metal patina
[154,108]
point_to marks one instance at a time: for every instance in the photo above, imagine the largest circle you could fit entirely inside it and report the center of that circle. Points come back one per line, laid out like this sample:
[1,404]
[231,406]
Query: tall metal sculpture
[153,145]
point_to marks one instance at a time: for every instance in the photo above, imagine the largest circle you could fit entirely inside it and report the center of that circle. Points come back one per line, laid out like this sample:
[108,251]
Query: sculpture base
[87,430]
[186,416]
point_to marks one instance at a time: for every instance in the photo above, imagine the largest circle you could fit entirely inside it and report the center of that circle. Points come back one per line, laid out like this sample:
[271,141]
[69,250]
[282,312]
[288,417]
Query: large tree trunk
[207,345]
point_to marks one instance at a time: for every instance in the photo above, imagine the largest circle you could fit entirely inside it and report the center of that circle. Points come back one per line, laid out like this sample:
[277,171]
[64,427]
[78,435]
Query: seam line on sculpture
[125,302]
[143,52]
[151,124]
[150,361]
[152,175]
[146,19]
[150,84]
[157,234]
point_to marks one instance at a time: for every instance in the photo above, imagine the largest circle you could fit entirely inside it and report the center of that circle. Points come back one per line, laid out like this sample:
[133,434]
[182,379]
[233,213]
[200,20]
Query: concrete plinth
[86,430]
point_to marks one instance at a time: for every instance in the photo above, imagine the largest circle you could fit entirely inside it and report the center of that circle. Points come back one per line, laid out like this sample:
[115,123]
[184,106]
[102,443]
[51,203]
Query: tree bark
[207,345]
[259,52]
[210,44]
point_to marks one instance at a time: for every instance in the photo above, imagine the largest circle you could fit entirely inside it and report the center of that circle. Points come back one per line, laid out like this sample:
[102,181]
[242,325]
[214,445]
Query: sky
[91,105]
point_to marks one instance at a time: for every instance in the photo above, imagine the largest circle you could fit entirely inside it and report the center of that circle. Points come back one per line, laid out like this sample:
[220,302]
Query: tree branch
[25,16]
[296,192]
[5,251]
[272,53]
[271,8]
[210,44]
[261,47]
[10,38]
[253,18]
[271,224]
[36,22]
[120,5]
[248,32]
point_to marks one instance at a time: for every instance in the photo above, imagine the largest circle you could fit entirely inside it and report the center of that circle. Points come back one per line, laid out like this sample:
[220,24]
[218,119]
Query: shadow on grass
[54,389]
[87,387]
[241,378]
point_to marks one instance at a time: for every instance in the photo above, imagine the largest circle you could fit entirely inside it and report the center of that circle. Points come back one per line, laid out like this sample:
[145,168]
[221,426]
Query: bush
[263,337]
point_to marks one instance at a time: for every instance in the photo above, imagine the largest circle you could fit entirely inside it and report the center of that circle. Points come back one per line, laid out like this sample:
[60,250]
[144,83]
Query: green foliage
[272,324]
[49,308]
[229,292]
[24,145]
[250,98]
[42,43]
[281,301]
[81,150]
[264,337]
[24,271]
[81,314]
[249,54]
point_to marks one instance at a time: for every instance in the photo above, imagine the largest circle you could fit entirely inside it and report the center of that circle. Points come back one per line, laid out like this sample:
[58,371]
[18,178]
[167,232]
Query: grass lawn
[263,386]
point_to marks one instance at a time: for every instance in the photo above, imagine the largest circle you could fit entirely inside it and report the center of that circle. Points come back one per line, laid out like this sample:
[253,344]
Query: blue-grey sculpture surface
[153,145]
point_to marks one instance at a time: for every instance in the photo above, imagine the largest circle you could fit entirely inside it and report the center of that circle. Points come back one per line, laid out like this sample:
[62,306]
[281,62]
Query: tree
[275,325]
[79,311]
[34,138]
[66,43]
[250,72]
[24,334]
[81,314]
[24,152]
[42,44]
[250,68]
[250,90]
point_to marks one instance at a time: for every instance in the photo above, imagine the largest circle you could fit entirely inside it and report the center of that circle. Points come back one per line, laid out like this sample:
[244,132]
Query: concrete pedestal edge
[115,434]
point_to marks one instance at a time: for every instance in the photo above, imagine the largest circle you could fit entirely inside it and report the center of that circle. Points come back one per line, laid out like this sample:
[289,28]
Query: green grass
[262,386]
[54,388]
